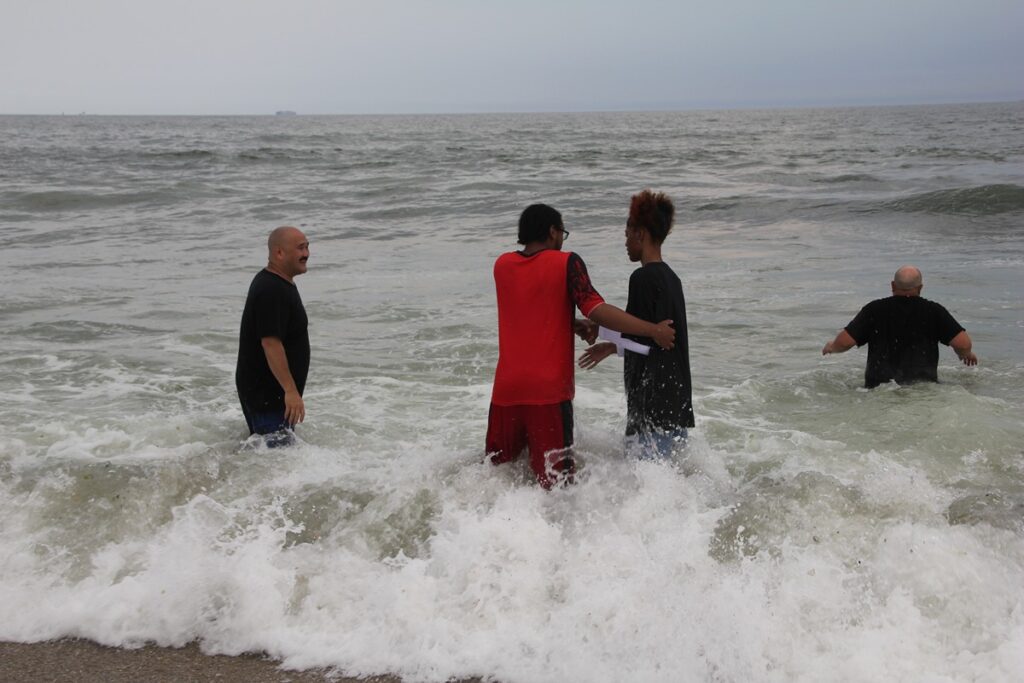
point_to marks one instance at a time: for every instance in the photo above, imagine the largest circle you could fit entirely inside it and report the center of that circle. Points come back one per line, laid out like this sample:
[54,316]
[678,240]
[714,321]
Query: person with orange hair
[659,403]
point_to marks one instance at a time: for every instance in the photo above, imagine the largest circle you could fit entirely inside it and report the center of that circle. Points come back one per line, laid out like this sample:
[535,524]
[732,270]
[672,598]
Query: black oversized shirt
[902,334]
[658,390]
[273,308]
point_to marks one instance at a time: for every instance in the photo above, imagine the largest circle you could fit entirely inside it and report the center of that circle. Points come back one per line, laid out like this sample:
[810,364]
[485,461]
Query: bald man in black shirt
[902,333]
[273,346]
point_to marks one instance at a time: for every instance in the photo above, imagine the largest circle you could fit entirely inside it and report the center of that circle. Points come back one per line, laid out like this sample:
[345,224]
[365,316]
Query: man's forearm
[617,319]
[961,343]
[842,342]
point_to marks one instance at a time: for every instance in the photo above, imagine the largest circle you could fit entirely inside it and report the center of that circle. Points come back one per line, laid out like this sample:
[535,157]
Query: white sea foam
[611,580]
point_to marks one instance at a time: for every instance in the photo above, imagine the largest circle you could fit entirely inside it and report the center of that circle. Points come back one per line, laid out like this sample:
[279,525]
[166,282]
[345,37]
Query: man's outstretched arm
[842,342]
[961,343]
[617,319]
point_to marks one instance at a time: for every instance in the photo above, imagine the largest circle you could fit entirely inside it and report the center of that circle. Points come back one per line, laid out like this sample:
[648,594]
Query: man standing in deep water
[537,290]
[902,333]
[273,345]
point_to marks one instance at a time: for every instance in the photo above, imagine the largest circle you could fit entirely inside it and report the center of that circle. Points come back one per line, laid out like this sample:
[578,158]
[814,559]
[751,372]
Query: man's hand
[294,408]
[968,357]
[595,354]
[843,342]
[585,330]
[961,343]
[664,335]
[617,319]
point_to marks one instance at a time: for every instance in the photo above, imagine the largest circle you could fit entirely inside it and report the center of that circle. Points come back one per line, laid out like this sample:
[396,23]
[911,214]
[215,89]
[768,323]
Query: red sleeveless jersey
[536,297]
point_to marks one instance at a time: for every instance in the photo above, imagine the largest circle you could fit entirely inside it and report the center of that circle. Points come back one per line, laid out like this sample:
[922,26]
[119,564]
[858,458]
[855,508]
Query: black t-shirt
[902,334]
[658,391]
[273,308]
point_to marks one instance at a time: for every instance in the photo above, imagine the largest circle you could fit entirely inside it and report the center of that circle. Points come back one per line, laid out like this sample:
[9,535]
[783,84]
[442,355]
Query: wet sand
[83,661]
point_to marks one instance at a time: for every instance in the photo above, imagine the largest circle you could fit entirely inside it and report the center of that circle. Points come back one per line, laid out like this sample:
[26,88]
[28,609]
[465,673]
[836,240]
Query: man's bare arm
[294,408]
[617,319]
[961,343]
[842,342]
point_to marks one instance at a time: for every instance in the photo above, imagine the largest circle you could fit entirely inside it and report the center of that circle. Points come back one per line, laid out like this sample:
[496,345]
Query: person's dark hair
[535,221]
[653,213]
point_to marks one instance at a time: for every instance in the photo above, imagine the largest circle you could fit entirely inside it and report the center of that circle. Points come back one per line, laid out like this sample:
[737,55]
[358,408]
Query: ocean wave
[68,200]
[182,154]
[949,153]
[276,154]
[848,178]
[985,200]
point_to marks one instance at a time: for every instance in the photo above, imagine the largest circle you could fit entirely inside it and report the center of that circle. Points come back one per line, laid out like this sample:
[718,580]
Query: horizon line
[285,113]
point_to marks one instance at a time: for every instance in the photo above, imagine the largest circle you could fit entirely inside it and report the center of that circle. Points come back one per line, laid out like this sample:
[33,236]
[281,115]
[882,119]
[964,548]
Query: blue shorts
[268,423]
[656,445]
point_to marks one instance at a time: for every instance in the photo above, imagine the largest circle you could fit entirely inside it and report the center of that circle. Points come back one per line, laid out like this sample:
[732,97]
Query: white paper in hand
[622,344]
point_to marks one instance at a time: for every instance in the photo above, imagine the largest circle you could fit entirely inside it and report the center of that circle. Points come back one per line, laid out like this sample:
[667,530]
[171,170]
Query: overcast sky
[382,56]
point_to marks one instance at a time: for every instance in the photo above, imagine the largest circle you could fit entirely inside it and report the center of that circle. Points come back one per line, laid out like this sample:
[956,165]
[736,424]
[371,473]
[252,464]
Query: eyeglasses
[565,233]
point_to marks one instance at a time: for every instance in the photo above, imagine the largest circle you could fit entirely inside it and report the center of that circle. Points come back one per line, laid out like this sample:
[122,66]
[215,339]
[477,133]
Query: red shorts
[545,429]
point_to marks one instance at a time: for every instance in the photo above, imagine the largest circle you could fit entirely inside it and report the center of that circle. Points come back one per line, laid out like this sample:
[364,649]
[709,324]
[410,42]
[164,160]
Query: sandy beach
[83,661]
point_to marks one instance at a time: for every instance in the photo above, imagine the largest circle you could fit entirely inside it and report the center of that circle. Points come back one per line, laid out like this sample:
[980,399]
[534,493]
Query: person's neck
[650,254]
[534,247]
[278,272]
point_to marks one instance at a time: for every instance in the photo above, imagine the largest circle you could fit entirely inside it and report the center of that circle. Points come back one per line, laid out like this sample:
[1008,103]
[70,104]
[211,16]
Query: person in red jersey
[537,290]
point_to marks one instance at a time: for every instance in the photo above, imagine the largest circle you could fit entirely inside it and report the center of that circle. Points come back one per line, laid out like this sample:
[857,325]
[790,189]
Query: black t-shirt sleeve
[860,327]
[271,313]
[648,299]
[946,326]
[661,306]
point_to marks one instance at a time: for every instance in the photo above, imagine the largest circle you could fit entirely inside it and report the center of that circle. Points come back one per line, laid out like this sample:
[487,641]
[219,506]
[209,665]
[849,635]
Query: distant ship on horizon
[285,112]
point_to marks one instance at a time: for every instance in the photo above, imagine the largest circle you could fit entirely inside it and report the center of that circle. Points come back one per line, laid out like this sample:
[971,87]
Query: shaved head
[280,236]
[288,252]
[906,279]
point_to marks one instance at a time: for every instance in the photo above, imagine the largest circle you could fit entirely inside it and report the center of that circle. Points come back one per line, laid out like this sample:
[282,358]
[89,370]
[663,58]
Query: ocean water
[811,530]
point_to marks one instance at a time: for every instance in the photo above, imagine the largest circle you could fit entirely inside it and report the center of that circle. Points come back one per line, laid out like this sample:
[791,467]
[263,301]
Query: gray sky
[377,56]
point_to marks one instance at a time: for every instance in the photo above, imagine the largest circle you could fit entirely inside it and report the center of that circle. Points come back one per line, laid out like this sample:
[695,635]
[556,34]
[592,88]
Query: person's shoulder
[665,270]
[568,257]
[884,302]
[263,279]
[657,271]
[935,307]
[270,284]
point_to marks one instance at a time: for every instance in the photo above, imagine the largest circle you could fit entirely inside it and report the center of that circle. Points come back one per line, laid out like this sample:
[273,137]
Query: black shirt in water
[902,334]
[658,391]
[272,309]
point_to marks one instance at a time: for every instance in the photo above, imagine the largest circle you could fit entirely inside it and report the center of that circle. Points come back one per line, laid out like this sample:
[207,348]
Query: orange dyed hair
[653,213]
